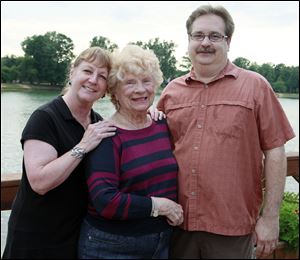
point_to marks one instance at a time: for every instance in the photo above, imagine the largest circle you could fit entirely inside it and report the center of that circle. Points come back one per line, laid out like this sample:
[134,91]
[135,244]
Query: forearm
[110,203]
[46,171]
[275,174]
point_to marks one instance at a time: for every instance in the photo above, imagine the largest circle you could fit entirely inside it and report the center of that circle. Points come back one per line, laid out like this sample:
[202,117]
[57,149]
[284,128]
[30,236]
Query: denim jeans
[96,244]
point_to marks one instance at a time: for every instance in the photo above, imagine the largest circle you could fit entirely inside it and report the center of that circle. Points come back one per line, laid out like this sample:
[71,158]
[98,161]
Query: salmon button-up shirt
[219,131]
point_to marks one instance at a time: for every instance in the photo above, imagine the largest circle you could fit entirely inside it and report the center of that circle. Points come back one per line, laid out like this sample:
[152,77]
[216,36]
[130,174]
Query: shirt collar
[65,111]
[229,70]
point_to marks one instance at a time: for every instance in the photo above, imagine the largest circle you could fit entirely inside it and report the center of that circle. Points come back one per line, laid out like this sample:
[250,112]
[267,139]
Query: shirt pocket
[180,117]
[229,119]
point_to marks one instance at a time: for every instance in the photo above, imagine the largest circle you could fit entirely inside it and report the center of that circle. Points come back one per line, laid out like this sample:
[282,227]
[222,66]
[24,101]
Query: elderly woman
[132,177]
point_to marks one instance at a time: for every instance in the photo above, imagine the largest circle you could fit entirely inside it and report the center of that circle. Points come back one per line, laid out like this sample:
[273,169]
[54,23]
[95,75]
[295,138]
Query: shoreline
[17,86]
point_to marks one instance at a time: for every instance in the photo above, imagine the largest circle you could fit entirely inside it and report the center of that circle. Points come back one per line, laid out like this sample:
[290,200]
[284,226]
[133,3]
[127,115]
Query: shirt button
[193,170]
[202,106]
[193,193]
[206,86]
[196,148]
[199,126]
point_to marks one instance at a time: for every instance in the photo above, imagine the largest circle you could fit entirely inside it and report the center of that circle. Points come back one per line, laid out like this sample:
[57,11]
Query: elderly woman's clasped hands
[165,207]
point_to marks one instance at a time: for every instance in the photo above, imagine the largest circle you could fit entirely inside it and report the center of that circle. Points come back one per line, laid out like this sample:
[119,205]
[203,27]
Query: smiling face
[135,94]
[207,52]
[89,81]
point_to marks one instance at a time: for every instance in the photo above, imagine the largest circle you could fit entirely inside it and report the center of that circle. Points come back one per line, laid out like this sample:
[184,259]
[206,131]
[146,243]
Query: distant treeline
[47,59]
[284,79]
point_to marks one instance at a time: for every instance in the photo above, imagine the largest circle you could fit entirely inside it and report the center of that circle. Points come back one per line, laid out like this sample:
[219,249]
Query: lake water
[16,107]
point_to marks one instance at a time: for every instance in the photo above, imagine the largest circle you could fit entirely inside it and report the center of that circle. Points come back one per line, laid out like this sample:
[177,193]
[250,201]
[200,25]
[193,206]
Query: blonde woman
[132,176]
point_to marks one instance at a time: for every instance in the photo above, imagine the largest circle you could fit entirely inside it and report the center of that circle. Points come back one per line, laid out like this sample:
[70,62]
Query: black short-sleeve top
[52,219]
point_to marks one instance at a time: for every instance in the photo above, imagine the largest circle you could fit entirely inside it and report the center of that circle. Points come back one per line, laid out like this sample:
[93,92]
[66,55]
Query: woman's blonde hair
[136,61]
[96,55]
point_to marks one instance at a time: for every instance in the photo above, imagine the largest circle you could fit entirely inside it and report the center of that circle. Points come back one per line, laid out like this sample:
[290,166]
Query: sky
[265,31]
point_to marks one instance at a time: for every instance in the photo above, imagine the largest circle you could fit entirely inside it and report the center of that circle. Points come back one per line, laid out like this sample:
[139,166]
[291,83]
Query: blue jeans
[96,244]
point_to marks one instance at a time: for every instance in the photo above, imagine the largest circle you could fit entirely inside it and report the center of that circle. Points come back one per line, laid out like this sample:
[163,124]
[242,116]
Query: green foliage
[289,219]
[9,68]
[280,86]
[282,78]
[51,54]
[8,74]
[104,43]
[186,64]
[267,70]
[242,62]
[10,61]
[47,59]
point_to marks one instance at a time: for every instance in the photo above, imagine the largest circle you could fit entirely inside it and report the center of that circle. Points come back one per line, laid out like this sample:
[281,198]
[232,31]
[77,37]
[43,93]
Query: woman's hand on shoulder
[95,133]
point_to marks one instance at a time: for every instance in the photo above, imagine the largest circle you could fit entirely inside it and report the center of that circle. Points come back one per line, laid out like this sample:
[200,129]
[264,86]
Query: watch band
[78,152]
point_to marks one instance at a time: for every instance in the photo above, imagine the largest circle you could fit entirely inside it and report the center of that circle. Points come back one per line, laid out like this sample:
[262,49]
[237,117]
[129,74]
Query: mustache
[205,50]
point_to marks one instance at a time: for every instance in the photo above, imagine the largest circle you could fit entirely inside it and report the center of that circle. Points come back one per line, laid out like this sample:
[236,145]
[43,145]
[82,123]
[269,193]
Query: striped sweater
[123,172]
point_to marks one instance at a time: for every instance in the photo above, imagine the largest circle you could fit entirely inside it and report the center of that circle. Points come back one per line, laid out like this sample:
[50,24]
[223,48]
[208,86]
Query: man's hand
[266,235]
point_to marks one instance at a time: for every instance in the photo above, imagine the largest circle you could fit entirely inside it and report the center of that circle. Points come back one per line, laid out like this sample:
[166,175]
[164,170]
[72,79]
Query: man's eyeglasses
[213,37]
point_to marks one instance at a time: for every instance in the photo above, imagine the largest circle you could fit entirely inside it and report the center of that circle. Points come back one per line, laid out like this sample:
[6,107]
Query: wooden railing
[9,186]
[10,182]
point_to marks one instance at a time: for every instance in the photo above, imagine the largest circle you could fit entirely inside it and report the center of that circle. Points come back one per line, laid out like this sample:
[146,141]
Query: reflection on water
[17,106]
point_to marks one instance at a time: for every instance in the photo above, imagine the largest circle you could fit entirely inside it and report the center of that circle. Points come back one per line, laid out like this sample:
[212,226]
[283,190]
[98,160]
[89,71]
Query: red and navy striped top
[123,172]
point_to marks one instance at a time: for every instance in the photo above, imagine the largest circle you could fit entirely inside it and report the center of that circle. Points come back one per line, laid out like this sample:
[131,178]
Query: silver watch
[78,152]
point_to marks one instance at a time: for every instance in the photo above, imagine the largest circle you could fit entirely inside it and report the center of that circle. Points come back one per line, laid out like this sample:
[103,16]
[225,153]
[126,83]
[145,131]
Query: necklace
[128,124]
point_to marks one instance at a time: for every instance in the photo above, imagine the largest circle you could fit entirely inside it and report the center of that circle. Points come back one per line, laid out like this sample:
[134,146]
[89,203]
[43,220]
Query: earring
[69,83]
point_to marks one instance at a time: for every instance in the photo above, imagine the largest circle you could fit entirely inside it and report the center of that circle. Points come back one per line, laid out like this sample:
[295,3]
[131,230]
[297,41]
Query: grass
[9,86]
[288,95]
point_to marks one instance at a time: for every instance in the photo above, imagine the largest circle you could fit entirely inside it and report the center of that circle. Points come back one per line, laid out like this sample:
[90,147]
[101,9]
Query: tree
[9,68]
[52,54]
[279,86]
[165,53]
[9,61]
[278,69]
[186,63]
[254,67]
[184,67]
[293,81]
[267,70]
[9,74]
[27,72]
[242,62]
[104,43]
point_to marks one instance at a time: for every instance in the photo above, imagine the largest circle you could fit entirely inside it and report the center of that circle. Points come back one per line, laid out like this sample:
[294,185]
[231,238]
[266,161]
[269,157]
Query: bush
[289,219]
